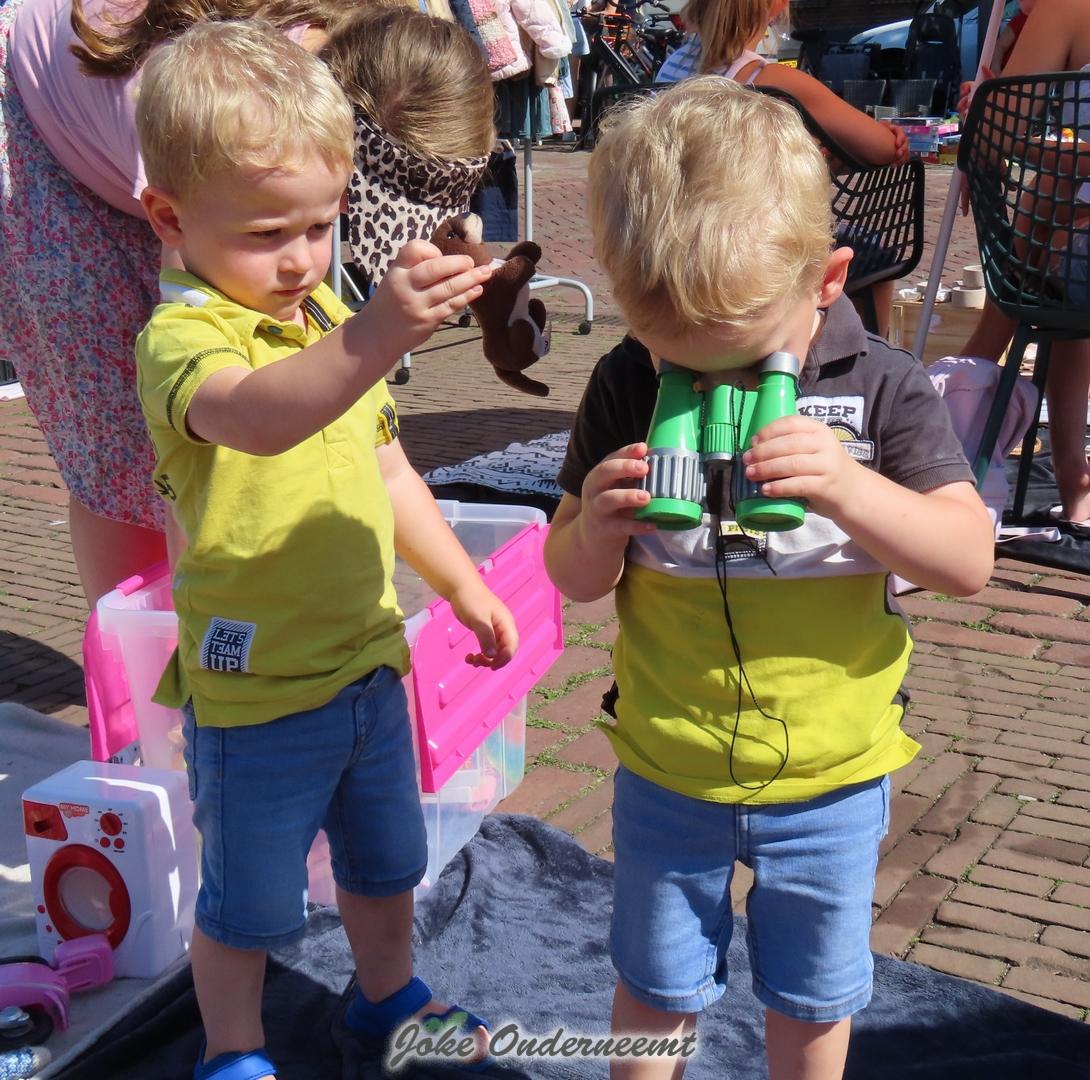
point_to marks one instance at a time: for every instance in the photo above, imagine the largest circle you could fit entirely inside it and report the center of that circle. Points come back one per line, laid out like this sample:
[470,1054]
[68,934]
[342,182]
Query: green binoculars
[695,445]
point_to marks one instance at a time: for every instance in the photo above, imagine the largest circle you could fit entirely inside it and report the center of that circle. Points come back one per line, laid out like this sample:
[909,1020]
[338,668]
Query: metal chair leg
[1040,373]
[1000,401]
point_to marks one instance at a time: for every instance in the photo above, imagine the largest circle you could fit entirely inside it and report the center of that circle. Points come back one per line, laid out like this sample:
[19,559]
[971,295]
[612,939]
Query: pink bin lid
[458,706]
[109,704]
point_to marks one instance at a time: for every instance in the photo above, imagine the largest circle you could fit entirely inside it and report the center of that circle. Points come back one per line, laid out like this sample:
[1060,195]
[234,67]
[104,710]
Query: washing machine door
[84,893]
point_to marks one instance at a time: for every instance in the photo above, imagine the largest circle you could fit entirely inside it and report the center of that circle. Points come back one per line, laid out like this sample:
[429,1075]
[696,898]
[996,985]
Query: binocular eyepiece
[695,445]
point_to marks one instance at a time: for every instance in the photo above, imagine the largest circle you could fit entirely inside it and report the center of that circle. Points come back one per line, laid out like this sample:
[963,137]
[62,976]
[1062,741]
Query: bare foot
[1076,499]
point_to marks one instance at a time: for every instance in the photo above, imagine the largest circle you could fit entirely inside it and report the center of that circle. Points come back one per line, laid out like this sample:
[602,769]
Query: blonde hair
[224,95]
[725,27]
[420,79]
[709,204]
[117,44]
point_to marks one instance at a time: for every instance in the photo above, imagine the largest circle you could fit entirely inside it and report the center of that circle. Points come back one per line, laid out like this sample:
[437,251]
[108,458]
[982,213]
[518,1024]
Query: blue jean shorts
[1074,268]
[809,910]
[260,793]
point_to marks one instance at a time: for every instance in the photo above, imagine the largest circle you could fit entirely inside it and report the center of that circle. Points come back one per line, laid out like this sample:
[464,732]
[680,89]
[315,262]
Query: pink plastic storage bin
[469,723]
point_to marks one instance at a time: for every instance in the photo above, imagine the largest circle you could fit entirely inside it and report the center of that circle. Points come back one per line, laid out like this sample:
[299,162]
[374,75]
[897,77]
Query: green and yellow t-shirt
[284,593]
[816,702]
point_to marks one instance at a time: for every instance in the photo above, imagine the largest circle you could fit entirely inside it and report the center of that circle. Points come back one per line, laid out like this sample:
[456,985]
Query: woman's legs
[991,335]
[1066,392]
[107,551]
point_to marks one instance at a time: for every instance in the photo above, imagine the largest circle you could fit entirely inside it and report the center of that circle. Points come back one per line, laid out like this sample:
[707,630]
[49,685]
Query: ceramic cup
[972,277]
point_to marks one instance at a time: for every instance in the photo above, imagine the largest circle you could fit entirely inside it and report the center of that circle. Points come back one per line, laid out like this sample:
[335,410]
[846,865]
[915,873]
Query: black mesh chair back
[878,211]
[863,92]
[1021,148]
[911,97]
[1031,212]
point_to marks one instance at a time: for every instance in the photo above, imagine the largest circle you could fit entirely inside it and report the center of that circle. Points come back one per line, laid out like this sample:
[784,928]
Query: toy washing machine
[112,851]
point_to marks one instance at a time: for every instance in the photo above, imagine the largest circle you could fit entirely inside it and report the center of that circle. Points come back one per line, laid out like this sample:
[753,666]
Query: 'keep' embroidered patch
[226,645]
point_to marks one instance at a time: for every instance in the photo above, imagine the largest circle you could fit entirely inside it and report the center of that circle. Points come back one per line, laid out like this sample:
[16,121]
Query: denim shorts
[809,910]
[261,792]
[1073,265]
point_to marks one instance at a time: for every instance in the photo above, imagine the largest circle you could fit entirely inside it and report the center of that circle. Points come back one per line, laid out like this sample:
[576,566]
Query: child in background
[725,36]
[758,707]
[423,105]
[276,445]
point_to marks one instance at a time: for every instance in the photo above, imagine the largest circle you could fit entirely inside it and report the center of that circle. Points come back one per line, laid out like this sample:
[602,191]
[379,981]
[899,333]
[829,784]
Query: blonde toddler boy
[277,451]
[758,707]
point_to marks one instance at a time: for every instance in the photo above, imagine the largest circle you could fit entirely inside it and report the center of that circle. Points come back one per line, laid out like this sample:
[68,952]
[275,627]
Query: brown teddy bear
[515,328]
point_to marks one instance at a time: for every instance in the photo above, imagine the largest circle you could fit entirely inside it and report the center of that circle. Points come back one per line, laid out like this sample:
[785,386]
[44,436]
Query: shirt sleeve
[387,426]
[615,411]
[681,63]
[178,349]
[918,447]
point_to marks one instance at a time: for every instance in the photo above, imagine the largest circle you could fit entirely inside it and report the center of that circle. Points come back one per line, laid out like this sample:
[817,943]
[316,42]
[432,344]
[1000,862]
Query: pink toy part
[84,963]
[109,704]
[458,705]
[31,984]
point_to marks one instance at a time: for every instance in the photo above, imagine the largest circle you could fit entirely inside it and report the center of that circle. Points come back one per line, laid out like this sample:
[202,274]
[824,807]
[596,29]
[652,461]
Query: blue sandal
[376,1020]
[234,1066]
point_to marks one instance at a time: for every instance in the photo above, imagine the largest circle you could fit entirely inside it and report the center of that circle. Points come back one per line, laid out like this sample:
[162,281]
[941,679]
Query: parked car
[895,35]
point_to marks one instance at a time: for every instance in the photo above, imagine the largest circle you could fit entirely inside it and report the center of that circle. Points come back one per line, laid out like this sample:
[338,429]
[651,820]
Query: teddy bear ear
[473,228]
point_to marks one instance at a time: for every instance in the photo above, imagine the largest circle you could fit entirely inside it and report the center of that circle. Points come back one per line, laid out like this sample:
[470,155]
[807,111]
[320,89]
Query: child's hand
[480,610]
[610,498]
[967,89]
[800,458]
[421,289]
[900,142]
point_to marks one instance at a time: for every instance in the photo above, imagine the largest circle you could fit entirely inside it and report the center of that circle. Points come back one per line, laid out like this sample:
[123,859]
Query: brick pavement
[986,870]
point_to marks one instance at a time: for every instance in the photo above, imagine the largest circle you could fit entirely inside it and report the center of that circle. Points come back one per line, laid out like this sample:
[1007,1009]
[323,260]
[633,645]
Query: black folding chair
[878,211]
[841,61]
[862,93]
[910,97]
[932,52]
[1020,150]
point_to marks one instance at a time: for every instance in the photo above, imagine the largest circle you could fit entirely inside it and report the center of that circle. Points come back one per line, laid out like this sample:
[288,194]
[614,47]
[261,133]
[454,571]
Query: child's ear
[835,277]
[161,209]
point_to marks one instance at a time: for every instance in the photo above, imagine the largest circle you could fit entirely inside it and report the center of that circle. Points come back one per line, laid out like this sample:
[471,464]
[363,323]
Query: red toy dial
[110,823]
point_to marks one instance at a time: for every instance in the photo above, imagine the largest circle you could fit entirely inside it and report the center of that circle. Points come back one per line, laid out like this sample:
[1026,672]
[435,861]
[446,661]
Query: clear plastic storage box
[470,723]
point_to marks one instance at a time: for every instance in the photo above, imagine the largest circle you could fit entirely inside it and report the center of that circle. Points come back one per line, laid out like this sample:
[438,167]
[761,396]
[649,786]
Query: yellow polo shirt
[284,594]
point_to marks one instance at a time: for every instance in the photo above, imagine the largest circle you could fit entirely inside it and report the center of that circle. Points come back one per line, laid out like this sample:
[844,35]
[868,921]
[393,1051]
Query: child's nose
[295,257]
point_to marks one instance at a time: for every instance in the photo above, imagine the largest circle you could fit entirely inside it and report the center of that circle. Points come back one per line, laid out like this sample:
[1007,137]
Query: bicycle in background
[628,45]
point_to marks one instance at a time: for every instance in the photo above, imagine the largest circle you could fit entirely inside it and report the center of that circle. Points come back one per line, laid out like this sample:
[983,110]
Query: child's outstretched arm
[427,543]
[585,548]
[871,142]
[273,408]
[940,539]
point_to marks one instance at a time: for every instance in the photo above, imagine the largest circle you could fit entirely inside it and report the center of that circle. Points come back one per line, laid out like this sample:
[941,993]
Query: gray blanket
[516,929]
